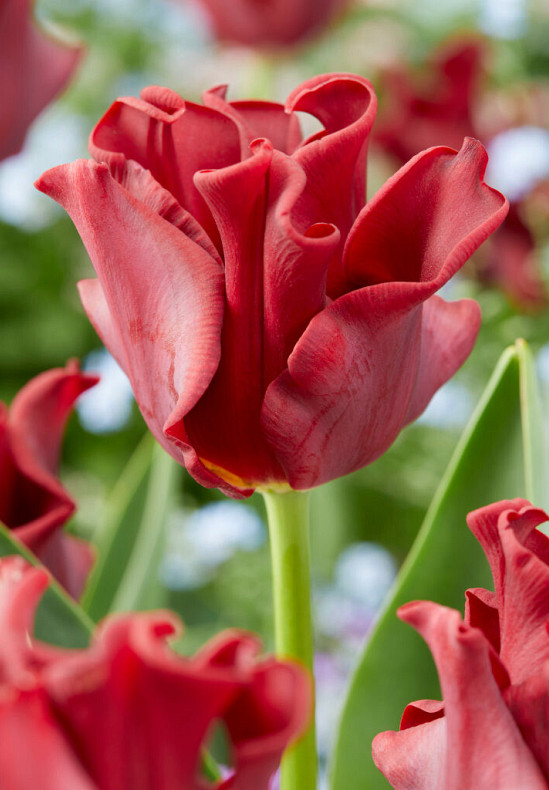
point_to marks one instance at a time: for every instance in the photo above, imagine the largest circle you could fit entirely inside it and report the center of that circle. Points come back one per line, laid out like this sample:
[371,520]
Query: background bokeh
[214,568]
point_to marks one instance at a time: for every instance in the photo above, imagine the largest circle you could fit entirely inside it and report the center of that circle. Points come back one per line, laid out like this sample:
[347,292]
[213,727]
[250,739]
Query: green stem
[288,517]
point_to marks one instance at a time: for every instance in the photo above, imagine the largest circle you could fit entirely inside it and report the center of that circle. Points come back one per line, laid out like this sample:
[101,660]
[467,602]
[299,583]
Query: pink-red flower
[274,328]
[442,106]
[33,503]
[491,730]
[270,23]
[128,712]
[34,68]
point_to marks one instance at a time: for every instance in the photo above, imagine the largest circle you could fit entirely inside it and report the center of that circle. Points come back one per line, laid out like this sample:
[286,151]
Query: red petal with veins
[369,363]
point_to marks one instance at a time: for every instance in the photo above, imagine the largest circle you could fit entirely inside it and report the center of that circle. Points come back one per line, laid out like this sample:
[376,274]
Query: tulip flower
[33,503]
[276,330]
[270,23]
[491,728]
[129,712]
[443,109]
[34,68]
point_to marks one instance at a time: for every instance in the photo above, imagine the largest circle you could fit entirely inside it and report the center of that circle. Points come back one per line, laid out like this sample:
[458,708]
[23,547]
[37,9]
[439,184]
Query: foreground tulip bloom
[270,23]
[442,109]
[33,503]
[276,331]
[33,70]
[129,712]
[491,730]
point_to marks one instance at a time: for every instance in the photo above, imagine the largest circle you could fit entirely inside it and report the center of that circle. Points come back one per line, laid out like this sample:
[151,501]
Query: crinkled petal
[34,68]
[257,119]
[275,273]
[334,160]
[518,554]
[166,338]
[426,220]
[173,139]
[137,712]
[473,704]
[369,362]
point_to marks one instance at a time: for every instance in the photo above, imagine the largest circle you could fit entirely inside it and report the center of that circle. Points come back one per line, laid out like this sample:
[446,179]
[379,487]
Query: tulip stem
[288,518]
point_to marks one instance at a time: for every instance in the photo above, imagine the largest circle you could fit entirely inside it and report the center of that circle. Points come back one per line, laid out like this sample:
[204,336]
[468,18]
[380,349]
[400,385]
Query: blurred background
[442,70]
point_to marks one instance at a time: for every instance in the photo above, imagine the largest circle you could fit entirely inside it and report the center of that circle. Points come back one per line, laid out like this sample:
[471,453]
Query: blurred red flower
[128,712]
[33,503]
[491,730]
[443,106]
[270,23]
[34,68]
[274,328]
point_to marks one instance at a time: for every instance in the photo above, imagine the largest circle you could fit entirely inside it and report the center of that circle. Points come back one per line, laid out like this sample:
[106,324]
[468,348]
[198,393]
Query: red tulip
[275,330]
[491,730]
[441,109]
[34,68]
[270,23]
[128,712]
[33,503]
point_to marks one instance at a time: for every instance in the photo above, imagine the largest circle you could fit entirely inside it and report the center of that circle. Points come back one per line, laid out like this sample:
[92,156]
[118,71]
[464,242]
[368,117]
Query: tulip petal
[33,70]
[473,704]
[275,273]
[265,718]
[481,611]
[380,338]
[257,119]
[519,558]
[412,759]
[173,143]
[166,338]
[33,503]
[529,705]
[426,220]
[34,751]
[334,160]
[138,712]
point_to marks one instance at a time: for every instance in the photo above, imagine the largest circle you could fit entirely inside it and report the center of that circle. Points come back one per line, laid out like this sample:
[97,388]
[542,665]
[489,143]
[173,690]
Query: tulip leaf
[59,619]
[116,536]
[534,431]
[131,541]
[499,456]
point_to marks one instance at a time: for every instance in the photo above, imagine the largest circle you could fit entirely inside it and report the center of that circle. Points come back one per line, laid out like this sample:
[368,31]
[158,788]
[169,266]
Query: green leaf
[131,542]
[499,456]
[140,587]
[115,539]
[536,456]
[59,619]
